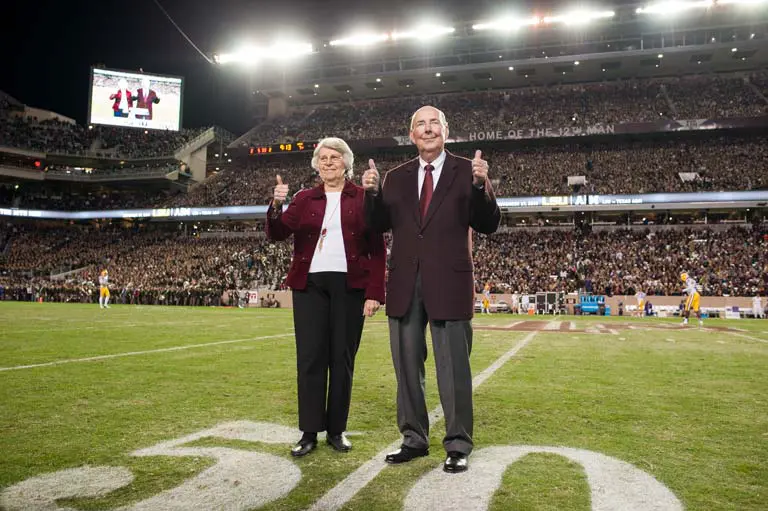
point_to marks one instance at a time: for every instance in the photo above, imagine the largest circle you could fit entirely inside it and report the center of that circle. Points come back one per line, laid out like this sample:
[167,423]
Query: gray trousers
[452,344]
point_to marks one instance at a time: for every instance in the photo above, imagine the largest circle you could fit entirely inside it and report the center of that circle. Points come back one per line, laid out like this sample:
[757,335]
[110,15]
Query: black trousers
[328,321]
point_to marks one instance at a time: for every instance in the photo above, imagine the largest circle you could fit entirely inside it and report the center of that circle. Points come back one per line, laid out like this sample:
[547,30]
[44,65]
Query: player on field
[640,296]
[693,298]
[486,298]
[104,290]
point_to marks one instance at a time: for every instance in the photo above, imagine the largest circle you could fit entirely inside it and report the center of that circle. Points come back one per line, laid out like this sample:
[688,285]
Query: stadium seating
[631,100]
[158,261]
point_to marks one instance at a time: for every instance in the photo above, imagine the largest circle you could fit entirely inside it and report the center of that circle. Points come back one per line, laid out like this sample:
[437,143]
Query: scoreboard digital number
[293,147]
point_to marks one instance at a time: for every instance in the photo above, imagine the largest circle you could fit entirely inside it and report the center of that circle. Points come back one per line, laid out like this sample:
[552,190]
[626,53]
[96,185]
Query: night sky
[52,44]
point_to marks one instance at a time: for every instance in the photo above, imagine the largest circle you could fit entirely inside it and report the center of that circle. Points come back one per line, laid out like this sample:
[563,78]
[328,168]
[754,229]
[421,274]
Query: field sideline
[143,408]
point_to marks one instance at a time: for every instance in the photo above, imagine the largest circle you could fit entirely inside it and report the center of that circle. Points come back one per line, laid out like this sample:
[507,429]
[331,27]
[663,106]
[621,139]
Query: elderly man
[430,203]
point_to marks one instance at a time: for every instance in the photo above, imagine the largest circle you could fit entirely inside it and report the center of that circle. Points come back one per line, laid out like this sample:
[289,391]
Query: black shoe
[405,454]
[339,442]
[303,447]
[456,462]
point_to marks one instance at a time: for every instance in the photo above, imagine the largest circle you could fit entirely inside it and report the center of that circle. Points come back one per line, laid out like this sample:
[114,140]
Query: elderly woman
[337,278]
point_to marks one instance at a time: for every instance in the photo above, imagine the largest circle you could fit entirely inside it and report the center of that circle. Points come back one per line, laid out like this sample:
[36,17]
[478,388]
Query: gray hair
[340,146]
[440,116]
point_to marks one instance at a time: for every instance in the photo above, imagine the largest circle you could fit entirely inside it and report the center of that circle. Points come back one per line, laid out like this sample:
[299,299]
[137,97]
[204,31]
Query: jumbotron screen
[136,100]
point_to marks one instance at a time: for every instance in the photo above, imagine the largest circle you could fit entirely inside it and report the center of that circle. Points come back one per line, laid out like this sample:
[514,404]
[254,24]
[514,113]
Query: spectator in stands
[337,278]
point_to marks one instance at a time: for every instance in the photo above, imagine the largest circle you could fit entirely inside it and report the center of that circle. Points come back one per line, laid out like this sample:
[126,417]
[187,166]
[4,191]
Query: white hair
[339,146]
[440,116]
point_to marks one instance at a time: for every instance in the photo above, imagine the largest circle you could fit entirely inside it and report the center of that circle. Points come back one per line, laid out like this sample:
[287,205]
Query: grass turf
[686,406]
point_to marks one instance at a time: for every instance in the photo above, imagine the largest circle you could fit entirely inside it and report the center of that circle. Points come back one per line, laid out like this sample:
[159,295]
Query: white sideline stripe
[747,337]
[133,353]
[513,324]
[106,325]
[343,492]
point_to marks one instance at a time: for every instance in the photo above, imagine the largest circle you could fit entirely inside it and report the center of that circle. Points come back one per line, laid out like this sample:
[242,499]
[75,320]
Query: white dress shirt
[438,164]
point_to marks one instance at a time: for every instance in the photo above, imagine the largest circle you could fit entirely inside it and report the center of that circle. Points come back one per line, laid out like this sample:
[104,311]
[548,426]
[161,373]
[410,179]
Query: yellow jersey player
[486,298]
[104,290]
[692,300]
[640,296]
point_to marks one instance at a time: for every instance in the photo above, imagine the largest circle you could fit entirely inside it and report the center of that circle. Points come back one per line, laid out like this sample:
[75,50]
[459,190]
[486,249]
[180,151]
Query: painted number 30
[242,480]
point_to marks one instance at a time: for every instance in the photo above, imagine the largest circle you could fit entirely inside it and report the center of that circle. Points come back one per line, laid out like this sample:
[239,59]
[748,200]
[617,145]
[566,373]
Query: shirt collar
[438,163]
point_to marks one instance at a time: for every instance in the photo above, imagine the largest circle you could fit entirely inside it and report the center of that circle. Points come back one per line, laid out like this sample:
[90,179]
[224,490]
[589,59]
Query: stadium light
[361,39]
[425,32]
[673,7]
[278,51]
[742,2]
[578,17]
[507,24]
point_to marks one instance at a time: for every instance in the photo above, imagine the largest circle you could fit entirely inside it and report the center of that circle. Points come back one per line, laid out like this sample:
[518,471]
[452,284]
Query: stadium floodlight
[279,51]
[578,17]
[674,6]
[425,32]
[507,24]
[742,2]
[361,39]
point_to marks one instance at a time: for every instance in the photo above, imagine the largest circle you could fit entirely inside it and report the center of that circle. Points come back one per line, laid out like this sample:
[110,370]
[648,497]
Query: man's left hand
[479,169]
[370,307]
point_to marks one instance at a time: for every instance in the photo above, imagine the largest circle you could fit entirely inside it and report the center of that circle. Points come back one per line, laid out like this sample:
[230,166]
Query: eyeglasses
[333,159]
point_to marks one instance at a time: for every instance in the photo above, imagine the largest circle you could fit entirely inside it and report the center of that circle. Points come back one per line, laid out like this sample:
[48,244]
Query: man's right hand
[371,178]
[281,192]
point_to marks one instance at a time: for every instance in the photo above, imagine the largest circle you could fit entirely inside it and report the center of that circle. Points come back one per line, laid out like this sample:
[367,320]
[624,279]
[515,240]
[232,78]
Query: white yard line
[106,325]
[343,492]
[146,352]
[748,337]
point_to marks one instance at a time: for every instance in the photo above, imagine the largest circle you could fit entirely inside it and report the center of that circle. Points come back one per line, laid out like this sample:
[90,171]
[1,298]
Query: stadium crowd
[60,137]
[713,164]
[582,105]
[622,262]
[155,262]
[166,266]
[725,163]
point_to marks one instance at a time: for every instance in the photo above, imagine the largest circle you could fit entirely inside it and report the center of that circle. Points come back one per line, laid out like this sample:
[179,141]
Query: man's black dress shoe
[339,442]
[303,447]
[456,462]
[405,454]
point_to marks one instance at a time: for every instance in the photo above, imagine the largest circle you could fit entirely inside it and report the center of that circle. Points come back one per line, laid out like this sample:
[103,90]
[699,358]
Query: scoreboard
[291,147]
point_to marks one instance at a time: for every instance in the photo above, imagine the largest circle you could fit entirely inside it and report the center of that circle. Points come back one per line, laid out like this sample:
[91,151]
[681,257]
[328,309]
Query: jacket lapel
[447,176]
[412,190]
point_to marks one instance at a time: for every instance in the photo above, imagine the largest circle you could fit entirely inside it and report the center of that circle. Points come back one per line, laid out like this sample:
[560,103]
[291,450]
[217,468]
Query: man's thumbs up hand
[479,169]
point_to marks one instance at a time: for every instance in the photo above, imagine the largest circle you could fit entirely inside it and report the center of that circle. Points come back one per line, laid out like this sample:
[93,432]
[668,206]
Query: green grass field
[82,389]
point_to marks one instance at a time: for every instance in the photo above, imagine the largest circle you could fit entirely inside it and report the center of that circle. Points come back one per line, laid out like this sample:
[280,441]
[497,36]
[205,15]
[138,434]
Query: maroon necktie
[426,190]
